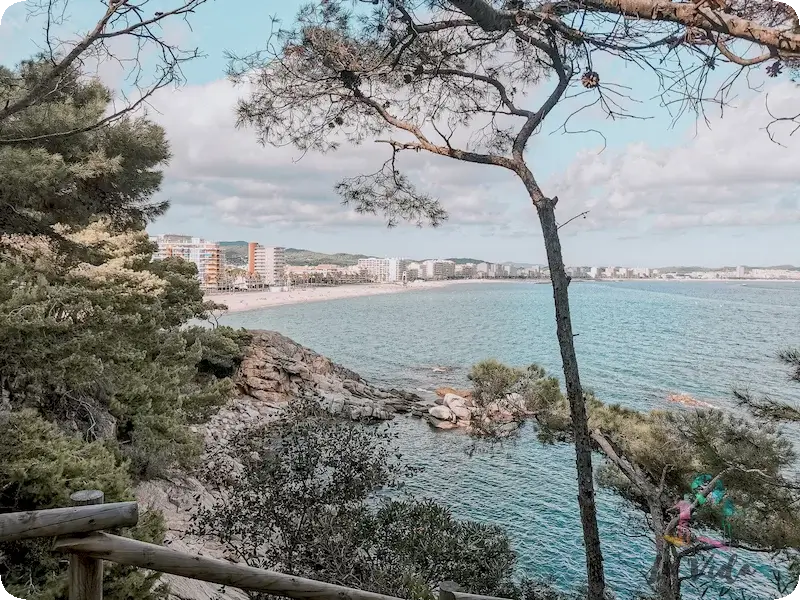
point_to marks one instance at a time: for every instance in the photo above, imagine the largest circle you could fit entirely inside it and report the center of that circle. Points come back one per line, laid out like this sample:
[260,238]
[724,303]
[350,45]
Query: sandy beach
[242,301]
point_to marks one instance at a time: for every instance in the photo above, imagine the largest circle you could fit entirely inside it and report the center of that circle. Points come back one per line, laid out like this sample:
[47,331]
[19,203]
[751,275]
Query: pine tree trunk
[663,576]
[583,450]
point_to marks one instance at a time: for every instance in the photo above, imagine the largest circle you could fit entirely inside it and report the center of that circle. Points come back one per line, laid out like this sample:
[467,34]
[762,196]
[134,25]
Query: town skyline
[240,265]
[478,258]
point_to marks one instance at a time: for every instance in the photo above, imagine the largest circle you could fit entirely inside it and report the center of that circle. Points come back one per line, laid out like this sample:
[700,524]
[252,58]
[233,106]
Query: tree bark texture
[545,208]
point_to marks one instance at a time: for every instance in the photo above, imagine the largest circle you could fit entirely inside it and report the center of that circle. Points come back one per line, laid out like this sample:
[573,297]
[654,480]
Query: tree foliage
[109,172]
[505,396]
[40,466]
[100,372]
[311,499]
[456,78]
[773,409]
[100,347]
[652,459]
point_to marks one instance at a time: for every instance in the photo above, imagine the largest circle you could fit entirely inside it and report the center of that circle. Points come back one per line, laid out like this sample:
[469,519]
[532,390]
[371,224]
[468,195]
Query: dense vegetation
[320,497]
[99,373]
[653,460]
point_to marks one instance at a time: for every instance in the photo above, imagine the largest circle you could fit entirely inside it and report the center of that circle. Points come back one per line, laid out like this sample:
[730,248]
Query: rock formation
[452,411]
[274,370]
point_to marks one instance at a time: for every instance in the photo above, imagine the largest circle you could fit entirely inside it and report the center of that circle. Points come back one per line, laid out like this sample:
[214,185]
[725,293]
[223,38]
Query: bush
[40,467]
[506,396]
[307,502]
[492,380]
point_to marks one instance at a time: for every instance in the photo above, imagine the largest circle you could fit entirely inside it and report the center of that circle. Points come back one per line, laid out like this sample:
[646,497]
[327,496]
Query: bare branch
[122,18]
[688,14]
[578,216]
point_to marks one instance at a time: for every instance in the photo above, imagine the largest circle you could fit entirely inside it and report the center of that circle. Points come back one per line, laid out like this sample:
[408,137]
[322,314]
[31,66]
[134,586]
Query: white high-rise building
[397,266]
[207,256]
[439,269]
[268,262]
[376,269]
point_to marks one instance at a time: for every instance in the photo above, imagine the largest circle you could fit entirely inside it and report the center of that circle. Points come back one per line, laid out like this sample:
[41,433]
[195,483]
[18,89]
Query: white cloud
[730,174]
[241,183]
[4,4]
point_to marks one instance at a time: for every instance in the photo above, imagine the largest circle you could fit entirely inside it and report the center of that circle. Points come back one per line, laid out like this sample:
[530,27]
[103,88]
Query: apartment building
[376,269]
[438,269]
[207,256]
[397,268]
[266,262]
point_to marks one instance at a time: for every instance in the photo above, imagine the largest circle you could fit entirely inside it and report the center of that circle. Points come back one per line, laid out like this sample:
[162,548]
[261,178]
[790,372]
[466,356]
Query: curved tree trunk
[577,404]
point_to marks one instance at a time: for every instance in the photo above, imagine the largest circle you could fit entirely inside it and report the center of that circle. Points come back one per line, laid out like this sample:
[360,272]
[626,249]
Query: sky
[659,194]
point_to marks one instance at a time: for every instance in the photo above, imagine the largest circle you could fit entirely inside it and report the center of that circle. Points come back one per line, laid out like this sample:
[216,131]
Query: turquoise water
[637,342]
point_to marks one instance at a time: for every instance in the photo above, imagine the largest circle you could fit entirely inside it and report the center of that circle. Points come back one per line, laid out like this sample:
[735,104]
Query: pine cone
[590,80]
[775,69]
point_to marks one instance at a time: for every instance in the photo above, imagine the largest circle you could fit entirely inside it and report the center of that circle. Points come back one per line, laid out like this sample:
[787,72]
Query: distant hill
[236,254]
[681,270]
[463,261]
[299,257]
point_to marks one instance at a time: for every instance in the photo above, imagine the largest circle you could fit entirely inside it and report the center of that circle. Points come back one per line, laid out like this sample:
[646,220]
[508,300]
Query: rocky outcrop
[276,369]
[453,411]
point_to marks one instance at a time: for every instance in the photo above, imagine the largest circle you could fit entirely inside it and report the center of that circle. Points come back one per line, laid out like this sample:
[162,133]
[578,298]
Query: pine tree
[109,172]
[100,376]
[736,470]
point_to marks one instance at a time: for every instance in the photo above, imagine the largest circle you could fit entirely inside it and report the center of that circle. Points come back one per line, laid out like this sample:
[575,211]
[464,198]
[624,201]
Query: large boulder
[453,400]
[441,412]
[462,413]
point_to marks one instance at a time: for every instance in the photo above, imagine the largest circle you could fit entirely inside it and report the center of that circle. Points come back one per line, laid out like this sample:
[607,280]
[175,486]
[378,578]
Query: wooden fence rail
[67,521]
[130,552]
[78,531]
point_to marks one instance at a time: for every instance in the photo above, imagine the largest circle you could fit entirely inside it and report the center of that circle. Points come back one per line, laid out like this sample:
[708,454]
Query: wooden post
[447,589]
[85,573]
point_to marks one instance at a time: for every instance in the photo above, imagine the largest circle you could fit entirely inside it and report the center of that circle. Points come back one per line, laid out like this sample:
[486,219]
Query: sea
[637,342]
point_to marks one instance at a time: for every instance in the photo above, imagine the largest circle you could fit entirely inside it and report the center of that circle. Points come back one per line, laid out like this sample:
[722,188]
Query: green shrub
[40,466]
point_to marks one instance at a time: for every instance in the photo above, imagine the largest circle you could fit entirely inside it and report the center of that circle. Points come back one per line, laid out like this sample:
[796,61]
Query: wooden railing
[78,530]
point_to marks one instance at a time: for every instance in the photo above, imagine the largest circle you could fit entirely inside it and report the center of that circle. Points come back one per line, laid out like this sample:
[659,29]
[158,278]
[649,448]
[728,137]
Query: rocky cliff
[274,370]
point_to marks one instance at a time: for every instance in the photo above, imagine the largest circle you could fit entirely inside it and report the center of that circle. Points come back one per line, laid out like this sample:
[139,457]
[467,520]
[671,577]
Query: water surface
[637,342]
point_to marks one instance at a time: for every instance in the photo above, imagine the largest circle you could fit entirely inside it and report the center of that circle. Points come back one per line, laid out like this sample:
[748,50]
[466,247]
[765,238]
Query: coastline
[244,301]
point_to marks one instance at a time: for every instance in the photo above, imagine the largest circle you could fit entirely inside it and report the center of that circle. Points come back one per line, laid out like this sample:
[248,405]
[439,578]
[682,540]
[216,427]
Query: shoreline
[246,301]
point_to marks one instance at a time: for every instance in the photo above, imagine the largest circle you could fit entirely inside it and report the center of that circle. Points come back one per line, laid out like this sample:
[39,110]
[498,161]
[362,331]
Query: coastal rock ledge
[276,369]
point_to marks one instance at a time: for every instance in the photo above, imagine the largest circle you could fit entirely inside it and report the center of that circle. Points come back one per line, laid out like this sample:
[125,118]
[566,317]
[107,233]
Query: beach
[242,301]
